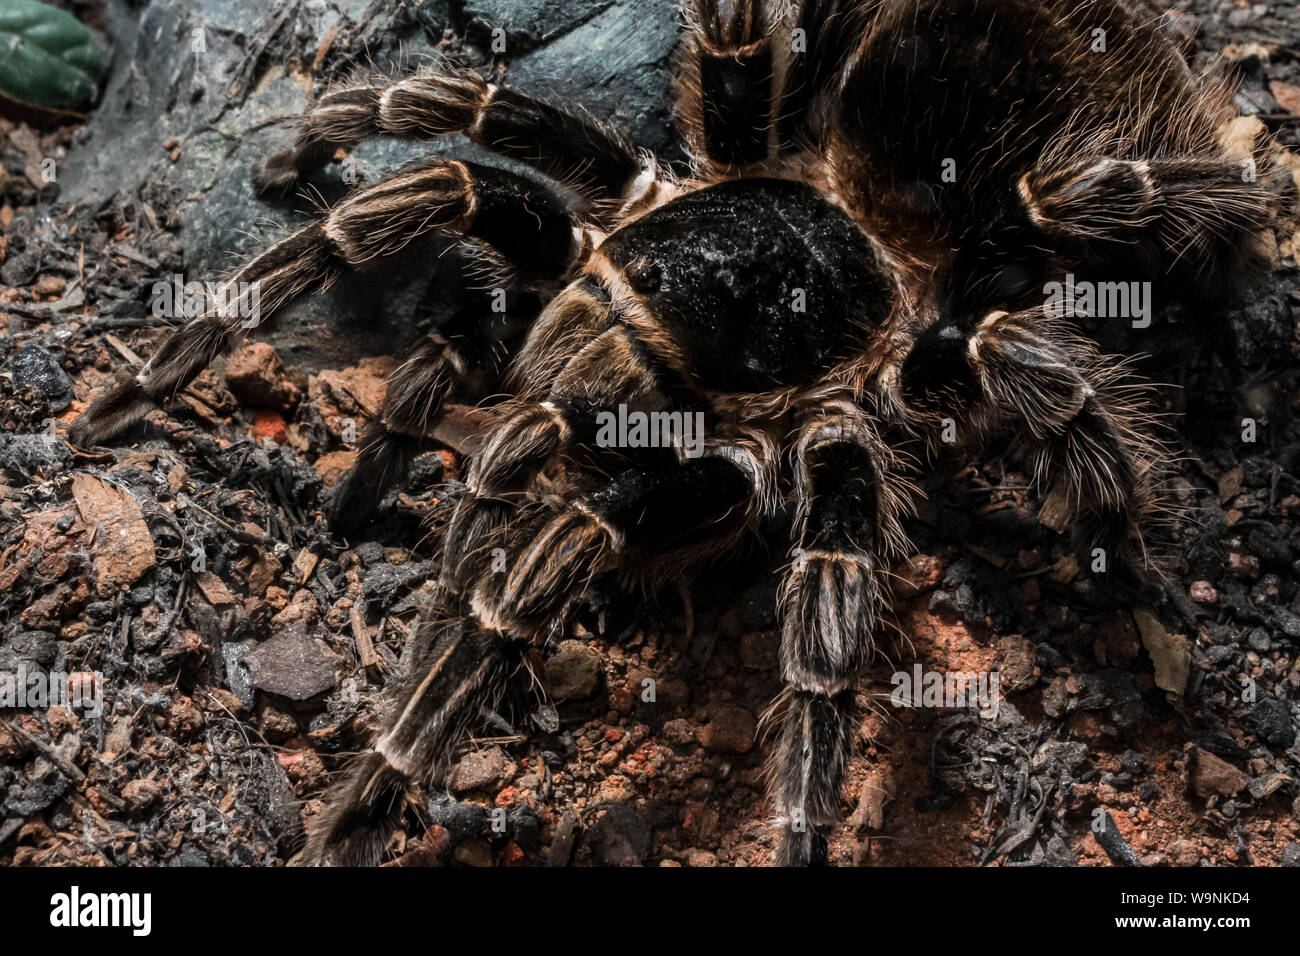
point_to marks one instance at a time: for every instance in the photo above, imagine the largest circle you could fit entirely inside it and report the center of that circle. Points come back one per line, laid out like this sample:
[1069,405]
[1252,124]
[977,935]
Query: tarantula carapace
[878,191]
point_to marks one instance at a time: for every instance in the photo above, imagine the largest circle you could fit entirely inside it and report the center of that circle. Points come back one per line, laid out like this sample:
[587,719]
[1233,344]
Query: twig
[68,769]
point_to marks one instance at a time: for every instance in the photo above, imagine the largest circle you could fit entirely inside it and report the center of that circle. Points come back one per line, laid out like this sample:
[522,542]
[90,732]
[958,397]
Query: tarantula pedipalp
[879,191]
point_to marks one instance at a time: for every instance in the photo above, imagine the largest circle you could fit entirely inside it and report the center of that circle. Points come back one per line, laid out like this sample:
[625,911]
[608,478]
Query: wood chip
[1169,653]
[365,646]
[121,547]
[215,590]
[304,565]
[1055,512]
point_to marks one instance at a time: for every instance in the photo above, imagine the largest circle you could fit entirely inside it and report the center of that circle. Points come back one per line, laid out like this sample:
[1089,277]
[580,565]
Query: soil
[244,649]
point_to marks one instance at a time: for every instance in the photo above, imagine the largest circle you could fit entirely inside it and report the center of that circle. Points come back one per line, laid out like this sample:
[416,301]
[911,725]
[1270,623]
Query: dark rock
[292,665]
[1116,847]
[1291,854]
[190,856]
[524,827]
[1219,655]
[21,269]
[462,821]
[1133,762]
[1271,719]
[1269,546]
[385,580]
[40,648]
[426,471]
[370,553]
[527,23]
[1288,622]
[43,785]
[959,603]
[35,367]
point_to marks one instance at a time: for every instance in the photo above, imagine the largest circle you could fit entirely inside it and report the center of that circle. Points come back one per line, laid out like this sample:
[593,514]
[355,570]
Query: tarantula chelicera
[879,191]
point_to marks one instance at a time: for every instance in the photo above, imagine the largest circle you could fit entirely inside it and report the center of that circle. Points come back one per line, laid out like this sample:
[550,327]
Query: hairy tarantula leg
[523,223]
[461,363]
[819,46]
[575,149]
[609,369]
[451,671]
[728,84]
[457,667]
[1193,215]
[1077,418]
[847,527]
[669,514]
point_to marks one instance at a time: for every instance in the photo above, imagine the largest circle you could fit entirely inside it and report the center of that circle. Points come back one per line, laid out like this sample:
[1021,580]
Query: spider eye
[644,276]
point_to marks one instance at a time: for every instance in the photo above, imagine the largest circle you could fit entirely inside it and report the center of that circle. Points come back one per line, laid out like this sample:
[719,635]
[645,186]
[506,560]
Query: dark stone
[524,827]
[462,821]
[35,367]
[293,665]
[32,647]
[426,471]
[1133,762]
[611,56]
[1219,655]
[384,580]
[372,552]
[1271,719]
[1113,843]
[43,786]
[190,856]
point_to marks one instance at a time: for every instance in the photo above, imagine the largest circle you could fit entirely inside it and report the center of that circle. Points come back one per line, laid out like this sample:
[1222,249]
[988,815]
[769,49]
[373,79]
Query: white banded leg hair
[518,580]
[851,499]
[522,223]
[568,145]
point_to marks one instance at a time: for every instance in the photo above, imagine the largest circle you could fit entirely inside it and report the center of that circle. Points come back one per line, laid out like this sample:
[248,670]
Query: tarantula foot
[806,847]
[356,827]
[109,416]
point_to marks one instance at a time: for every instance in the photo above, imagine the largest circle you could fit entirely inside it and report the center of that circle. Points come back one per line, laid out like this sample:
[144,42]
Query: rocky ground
[244,648]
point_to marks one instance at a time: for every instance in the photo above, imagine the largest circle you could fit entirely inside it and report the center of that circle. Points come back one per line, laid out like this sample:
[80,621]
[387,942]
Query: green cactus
[48,60]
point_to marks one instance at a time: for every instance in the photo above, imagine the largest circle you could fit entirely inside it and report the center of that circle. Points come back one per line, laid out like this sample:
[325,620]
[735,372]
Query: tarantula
[878,191]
